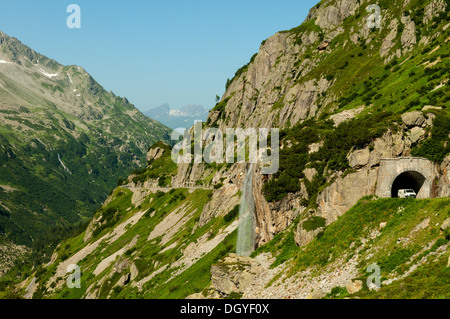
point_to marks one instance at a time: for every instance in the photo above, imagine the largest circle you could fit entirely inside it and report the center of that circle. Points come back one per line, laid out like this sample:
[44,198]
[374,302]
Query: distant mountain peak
[164,108]
[14,51]
[182,118]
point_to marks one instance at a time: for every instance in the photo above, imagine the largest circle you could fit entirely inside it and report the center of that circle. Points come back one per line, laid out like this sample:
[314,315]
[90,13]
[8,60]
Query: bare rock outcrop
[434,9]
[155,153]
[235,274]
[415,134]
[443,185]
[389,40]
[391,145]
[354,286]
[331,16]
[272,218]
[345,116]
[408,38]
[310,173]
[222,201]
[139,197]
[294,102]
[415,118]
[188,175]
[303,237]
[359,158]
[324,45]
[446,224]
[345,192]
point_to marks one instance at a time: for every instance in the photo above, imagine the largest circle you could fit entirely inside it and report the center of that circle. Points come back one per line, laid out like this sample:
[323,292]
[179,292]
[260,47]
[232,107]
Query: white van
[407,193]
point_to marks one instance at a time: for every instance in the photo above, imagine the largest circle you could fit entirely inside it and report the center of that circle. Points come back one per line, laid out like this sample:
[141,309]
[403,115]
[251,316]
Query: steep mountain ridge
[346,97]
[64,142]
[320,68]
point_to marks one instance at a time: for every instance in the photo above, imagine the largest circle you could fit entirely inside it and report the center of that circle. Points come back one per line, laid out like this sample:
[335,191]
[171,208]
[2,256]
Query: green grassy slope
[411,236]
[147,255]
[136,249]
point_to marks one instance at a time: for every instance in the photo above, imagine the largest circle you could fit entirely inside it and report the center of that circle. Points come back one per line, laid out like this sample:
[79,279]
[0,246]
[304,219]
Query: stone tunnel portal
[408,180]
[405,173]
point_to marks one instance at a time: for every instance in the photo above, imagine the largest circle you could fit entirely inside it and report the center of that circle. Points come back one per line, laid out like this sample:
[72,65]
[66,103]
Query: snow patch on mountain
[49,75]
[182,118]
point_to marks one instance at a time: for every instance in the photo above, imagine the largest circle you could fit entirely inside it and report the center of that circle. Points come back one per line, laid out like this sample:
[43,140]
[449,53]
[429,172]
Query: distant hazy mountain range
[183,118]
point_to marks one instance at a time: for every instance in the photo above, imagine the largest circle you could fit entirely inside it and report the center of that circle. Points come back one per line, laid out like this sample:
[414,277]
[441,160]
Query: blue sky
[154,52]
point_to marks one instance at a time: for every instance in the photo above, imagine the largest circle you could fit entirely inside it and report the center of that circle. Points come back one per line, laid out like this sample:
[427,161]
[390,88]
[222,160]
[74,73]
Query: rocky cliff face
[290,78]
[272,218]
[295,77]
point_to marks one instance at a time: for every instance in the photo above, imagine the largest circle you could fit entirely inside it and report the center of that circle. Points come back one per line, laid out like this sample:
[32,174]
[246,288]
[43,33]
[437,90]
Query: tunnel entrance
[408,180]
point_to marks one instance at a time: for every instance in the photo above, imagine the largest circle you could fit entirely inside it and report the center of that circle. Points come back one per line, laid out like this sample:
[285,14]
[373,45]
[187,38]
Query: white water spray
[246,237]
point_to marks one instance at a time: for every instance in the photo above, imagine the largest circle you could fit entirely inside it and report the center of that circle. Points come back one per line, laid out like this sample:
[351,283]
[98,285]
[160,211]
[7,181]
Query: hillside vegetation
[345,97]
[64,142]
[402,236]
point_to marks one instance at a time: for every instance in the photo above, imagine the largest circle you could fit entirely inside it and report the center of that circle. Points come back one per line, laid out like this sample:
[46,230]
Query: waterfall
[246,237]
